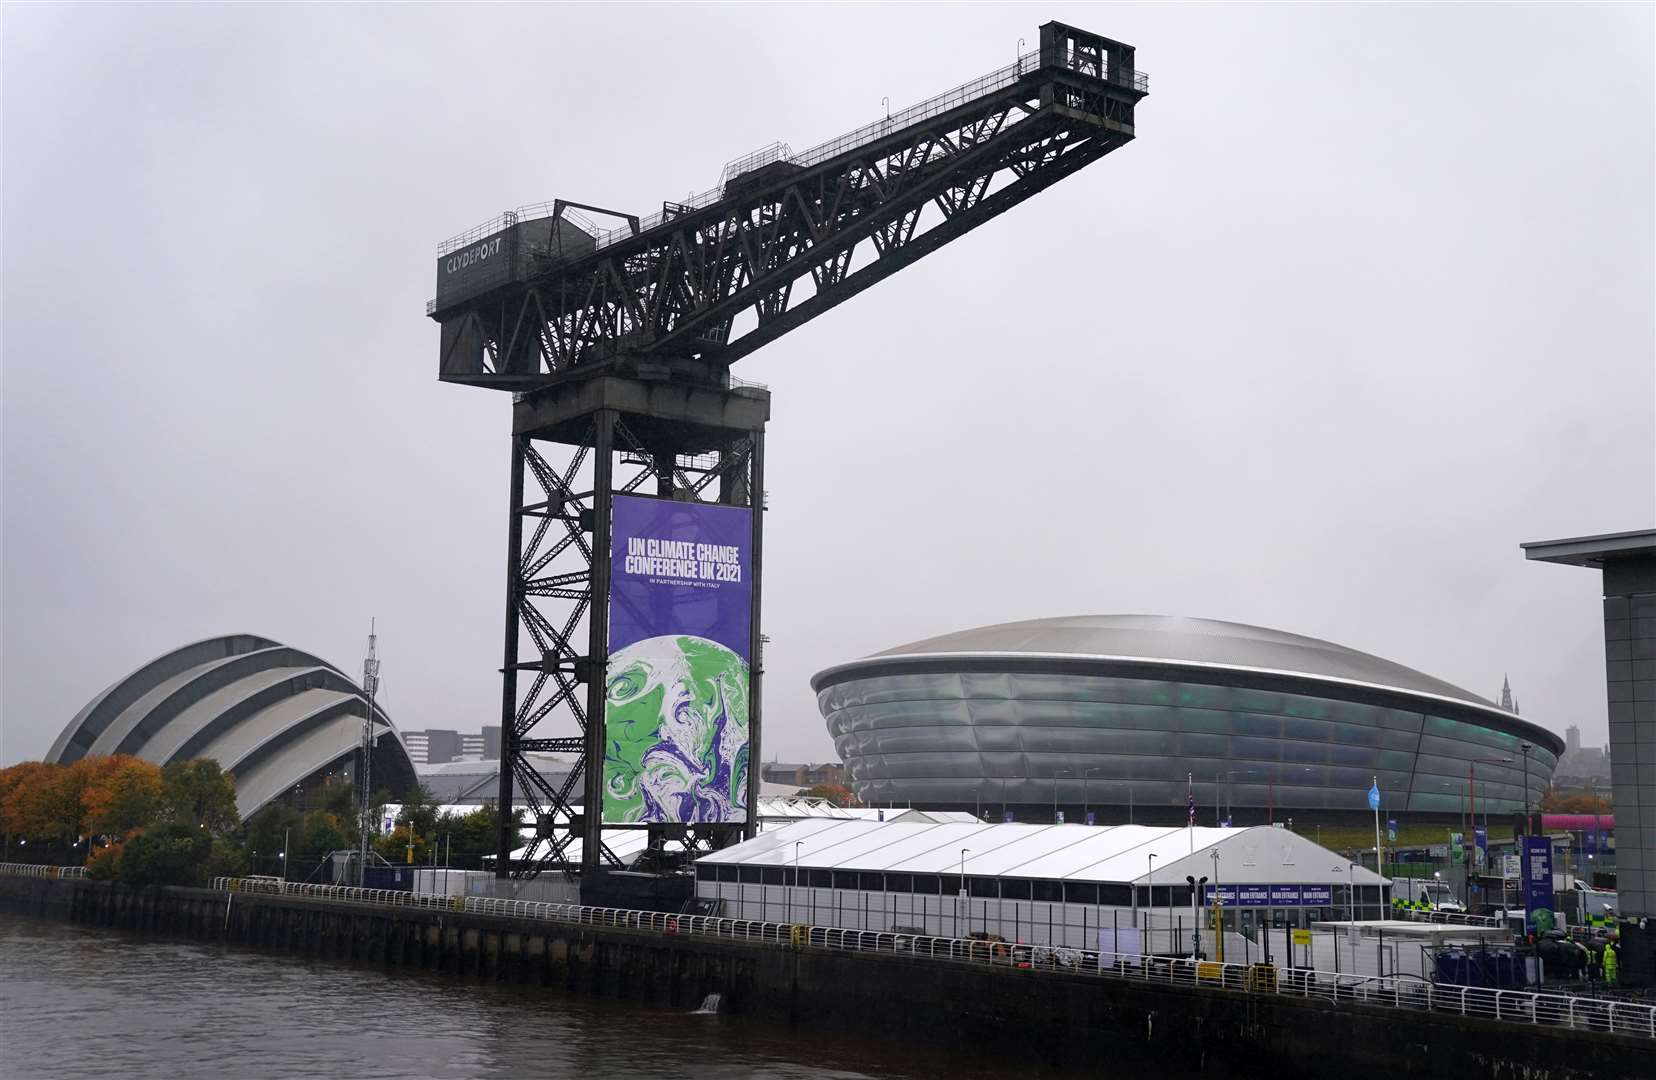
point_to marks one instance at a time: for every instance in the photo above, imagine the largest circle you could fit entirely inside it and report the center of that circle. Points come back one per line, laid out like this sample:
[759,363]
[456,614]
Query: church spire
[1506,696]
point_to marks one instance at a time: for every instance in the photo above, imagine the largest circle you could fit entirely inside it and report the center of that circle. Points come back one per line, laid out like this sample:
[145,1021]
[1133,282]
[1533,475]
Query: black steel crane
[618,343]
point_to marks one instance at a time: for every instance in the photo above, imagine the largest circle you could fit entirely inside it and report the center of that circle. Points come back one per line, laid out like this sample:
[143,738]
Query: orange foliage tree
[1574,802]
[122,795]
[838,794]
[42,804]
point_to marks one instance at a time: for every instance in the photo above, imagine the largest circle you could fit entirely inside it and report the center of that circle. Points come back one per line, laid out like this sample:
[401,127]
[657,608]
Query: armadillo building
[274,717]
[1125,716]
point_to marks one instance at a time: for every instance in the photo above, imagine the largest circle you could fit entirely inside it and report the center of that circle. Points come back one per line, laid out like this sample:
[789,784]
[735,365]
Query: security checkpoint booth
[1059,885]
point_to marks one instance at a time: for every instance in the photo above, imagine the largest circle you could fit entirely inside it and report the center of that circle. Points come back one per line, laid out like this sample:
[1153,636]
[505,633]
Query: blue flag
[1374,796]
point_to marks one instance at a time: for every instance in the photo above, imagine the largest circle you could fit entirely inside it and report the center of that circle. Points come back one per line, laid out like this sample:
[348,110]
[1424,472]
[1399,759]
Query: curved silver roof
[269,714]
[1167,639]
[1203,641]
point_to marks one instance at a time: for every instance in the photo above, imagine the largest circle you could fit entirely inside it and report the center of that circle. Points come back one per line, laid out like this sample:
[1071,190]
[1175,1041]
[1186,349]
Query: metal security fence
[1393,991]
[32,870]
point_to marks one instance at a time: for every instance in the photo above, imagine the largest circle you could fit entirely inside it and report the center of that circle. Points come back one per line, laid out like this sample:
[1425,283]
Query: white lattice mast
[370,684]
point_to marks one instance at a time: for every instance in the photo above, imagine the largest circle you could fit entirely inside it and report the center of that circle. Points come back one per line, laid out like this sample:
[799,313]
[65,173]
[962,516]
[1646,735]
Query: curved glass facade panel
[980,738]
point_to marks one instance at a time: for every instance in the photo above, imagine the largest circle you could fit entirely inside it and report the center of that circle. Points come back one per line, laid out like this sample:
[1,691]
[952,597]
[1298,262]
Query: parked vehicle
[1424,894]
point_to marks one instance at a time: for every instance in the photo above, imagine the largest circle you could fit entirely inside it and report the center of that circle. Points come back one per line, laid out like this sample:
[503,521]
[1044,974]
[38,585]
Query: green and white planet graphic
[676,732]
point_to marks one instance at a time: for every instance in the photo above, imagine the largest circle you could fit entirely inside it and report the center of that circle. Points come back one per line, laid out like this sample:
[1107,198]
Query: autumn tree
[21,788]
[121,796]
[837,794]
[1554,801]
[43,805]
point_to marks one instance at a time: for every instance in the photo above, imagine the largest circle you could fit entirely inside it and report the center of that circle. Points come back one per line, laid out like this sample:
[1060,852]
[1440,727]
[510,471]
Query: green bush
[166,855]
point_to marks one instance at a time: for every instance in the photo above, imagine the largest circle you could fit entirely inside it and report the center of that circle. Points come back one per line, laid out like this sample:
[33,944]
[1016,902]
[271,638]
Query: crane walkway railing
[1402,992]
[950,99]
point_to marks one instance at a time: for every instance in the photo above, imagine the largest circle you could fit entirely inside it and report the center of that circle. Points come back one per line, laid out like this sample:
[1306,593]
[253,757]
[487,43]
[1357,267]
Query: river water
[79,1002]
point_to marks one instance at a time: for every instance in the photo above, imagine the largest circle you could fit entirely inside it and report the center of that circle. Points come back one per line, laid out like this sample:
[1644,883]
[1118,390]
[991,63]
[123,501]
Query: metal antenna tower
[617,344]
[365,823]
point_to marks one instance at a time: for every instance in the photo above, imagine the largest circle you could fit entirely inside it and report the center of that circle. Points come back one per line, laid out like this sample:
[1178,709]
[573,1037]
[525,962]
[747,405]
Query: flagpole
[1379,860]
[1190,810]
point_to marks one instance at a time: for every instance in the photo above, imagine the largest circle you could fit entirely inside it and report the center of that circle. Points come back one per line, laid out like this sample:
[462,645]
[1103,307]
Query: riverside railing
[949,99]
[1394,991]
[12,869]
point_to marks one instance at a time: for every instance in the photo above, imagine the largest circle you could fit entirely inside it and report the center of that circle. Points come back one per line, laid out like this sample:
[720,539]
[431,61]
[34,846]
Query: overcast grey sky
[1367,303]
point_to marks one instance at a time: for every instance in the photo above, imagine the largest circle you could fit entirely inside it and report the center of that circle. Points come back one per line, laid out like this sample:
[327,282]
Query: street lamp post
[1149,896]
[965,905]
[1525,748]
[1086,799]
[1218,911]
[1472,810]
[1196,885]
[795,881]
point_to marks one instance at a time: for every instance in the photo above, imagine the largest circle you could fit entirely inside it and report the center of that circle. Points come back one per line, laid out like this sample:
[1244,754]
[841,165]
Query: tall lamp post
[965,905]
[795,881]
[1472,809]
[1218,910]
[1086,800]
[1525,748]
[1149,896]
[1196,885]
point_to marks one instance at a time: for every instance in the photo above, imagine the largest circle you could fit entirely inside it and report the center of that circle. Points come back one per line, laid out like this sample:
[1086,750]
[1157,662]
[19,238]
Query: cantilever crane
[618,343]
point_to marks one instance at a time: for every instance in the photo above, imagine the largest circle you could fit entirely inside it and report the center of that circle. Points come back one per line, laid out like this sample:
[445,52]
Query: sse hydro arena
[1121,715]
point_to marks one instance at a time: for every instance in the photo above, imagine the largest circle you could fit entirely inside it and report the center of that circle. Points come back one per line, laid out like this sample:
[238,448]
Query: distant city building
[803,774]
[433,746]
[484,746]
[1572,739]
[437,746]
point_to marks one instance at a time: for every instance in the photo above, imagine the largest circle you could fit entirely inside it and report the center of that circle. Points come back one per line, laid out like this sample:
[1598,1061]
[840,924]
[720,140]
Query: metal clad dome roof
[270,715]
[1180,640]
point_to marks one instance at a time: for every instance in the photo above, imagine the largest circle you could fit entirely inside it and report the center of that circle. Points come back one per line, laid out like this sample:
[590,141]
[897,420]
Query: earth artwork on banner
[676,691]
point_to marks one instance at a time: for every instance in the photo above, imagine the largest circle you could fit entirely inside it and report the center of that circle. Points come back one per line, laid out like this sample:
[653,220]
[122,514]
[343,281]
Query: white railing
[1403,992]
[11,869]
[1450,918]
[949,99]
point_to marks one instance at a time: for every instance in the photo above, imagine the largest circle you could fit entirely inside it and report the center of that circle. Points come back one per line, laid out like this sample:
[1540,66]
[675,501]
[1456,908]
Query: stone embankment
[1066,1019]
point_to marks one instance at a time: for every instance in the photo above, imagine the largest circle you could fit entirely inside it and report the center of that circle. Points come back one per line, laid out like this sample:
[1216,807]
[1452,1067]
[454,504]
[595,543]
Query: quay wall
[1068,1020]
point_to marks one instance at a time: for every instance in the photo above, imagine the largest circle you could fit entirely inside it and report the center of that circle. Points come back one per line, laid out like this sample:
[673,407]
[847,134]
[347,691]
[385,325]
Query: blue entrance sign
[1317,895]
[1537,879]
[1273,895]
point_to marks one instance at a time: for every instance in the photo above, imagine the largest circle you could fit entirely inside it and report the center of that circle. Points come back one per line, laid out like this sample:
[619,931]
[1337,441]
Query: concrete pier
[1065,1019]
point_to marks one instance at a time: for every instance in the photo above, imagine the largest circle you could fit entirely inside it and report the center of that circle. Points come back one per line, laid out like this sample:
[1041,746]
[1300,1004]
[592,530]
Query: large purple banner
[676,694]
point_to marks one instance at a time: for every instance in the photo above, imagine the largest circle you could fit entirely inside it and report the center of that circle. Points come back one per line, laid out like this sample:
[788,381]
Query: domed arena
[1128,717]
[274,717]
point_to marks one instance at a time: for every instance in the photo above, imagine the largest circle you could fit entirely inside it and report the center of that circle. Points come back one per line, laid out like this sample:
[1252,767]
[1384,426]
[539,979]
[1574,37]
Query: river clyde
[80,1002]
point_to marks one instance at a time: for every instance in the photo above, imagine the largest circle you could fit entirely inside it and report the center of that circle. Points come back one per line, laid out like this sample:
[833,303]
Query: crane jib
[785,236]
